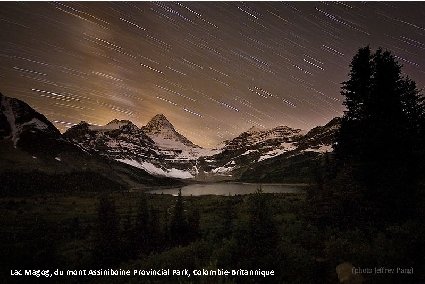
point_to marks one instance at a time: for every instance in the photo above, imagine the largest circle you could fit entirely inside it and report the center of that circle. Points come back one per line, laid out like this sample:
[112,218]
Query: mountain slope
[300,164]
[25,127]
[320,138]
[116,140]
[249,148]
[164,134]
[127,153]
[33,154]
[157,147]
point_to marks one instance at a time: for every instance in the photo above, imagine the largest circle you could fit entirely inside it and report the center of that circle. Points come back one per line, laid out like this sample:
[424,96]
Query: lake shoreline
[229,188]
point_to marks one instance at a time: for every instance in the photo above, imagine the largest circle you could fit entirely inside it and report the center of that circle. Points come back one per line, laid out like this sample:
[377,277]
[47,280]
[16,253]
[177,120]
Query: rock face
[117,140]
[320,138]
[164,134]
[24,126]
[251,147]
[272,155]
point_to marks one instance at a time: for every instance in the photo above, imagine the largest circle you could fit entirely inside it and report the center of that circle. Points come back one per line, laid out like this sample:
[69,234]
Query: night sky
[213,68]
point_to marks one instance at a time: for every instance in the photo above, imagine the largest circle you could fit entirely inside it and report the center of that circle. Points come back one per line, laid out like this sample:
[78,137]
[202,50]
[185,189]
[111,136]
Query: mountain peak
[163,132]
[115,121]
[254,129]
[112,125]
[158,123]
[23,125]
[119,122]
[159,116]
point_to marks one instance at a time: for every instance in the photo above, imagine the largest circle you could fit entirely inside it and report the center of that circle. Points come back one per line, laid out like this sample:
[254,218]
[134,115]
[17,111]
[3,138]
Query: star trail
[214,69]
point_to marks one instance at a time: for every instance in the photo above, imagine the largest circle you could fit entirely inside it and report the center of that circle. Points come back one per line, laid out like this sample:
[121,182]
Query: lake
[230,189]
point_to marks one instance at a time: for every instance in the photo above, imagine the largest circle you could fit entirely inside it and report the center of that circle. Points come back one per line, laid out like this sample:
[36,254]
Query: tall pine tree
[142,232]
[356,92]
[107,245]
[178,223]
[380,131]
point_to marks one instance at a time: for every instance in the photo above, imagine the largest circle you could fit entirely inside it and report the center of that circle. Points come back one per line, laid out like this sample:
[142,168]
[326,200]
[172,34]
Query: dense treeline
[153,232]
[133,231]
[249,245]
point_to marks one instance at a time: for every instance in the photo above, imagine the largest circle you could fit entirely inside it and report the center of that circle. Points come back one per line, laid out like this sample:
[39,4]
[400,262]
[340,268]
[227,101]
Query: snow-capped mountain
[165,135]
[250,147]
[255,147]
[119,139]
[157,147]
[320,138]
[17,119]
[171,142]
[298,164]
[160,150]
[33,149]
[25,127]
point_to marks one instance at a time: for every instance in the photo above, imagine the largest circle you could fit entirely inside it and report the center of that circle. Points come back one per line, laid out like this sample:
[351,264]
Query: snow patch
[11,119]
[248,152]
[152,169]
[36,123]
[113,125]
[175,173]
[276,152]
[321,149]
[221,170]
[8,112]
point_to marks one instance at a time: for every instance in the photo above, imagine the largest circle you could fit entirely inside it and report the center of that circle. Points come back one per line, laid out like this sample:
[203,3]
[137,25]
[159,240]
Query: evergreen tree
[413,107]
[356,92]
[380,131]
[156,235]
[228,214]
[178,223]
[258,240]
[142,227]
[193,224]
[127,235]
[107,246]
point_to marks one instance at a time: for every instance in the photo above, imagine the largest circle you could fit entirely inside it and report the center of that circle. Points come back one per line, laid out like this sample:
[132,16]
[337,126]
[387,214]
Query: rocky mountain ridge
[251,148]
[159,149]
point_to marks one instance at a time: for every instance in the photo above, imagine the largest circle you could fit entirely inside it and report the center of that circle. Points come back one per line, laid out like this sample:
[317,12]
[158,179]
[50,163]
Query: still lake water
[230,189]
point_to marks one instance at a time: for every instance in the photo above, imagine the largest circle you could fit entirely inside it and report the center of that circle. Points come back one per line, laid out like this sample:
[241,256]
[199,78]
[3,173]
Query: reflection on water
[229,189]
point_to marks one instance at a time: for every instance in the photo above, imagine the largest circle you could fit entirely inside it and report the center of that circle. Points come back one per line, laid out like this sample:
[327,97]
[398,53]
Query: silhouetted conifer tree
[258,240]
[178,223]
[378,142]
[228,214]
[128,236]
[107,245]
[142,226]
[193,224]
[156,235]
